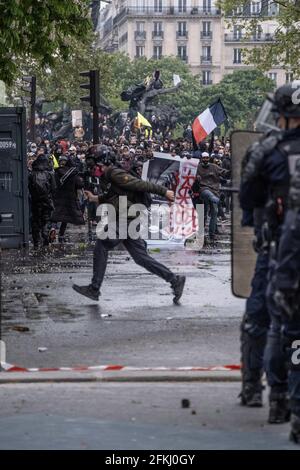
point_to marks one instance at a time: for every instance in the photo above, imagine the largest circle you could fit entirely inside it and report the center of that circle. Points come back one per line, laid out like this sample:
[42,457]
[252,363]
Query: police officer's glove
[287,301]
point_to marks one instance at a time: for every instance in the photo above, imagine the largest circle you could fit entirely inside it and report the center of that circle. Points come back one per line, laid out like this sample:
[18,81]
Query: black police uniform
[264,189]
[285,292]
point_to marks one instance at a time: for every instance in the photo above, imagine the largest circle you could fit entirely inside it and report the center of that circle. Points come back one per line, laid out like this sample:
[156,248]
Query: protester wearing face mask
[33,148]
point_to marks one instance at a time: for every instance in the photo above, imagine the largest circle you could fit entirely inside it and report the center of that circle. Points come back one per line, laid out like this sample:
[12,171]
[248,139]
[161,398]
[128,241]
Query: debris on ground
[20,328]
[185,403]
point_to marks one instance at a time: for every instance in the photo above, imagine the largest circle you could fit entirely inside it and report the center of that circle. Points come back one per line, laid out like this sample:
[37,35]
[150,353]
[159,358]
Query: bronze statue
[142,95]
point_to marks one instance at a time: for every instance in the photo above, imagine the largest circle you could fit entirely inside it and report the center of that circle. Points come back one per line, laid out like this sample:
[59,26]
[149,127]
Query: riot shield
[243,256]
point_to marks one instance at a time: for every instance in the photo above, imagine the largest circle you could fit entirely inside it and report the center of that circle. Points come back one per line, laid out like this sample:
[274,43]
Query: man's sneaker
[87,291]
[279,411]
[251,396]
[295,430]
[177,286]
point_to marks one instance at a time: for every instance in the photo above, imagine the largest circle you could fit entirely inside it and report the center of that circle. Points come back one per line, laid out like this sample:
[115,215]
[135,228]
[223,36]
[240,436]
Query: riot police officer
[284,289]
[264,192]
[116,182]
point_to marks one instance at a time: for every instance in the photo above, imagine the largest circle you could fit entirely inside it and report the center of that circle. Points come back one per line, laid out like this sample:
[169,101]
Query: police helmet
[286,100]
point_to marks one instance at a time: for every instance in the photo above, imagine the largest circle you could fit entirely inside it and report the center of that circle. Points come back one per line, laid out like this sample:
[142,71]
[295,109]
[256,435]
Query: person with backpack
[117,182]
[41,184]
[67,208]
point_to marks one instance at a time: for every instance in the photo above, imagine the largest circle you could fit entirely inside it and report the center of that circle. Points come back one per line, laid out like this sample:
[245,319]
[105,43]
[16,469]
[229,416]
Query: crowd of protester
[59,172]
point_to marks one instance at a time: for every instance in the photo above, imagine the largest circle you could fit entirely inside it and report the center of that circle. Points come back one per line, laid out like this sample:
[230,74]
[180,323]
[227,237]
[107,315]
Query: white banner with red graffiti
[177,174]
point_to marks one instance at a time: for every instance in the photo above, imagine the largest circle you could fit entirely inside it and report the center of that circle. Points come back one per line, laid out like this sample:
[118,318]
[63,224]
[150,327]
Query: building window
[273,9]
[158,6]
[237,32]
[123,39]
[288,77]
[206,77]
[140,51]
[255,8]
[182,31]
[140,26]
[140,32]
[273,76]
[181,6]
[238,11]
[140,5]
[181,52]
[206,25]
[207,6]
[237,56]
[206,52]
[157,27]
[157,52]
[257,33]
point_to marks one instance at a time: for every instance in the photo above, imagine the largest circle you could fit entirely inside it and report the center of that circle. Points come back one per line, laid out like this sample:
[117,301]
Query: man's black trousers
[137,249]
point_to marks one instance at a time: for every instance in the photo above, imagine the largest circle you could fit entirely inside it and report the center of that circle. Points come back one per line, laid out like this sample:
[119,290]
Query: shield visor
[266,119]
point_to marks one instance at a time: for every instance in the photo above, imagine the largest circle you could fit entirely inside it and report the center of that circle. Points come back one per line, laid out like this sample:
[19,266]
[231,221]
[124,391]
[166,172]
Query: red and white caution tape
[114,367]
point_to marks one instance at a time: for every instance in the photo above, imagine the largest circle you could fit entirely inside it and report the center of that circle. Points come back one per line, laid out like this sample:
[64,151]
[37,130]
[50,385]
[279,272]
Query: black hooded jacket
[41,183]
[67,207]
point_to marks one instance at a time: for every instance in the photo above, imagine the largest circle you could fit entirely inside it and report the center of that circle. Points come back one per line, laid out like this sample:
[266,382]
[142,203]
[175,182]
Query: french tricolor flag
[207,121]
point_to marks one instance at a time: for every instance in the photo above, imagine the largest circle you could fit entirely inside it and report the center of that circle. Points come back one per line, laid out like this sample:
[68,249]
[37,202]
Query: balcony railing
[140,35]
[157,34]
[206,59]
[166,11]
[181,34]
[264,12]
[196,11]
[254,38]
[206,34]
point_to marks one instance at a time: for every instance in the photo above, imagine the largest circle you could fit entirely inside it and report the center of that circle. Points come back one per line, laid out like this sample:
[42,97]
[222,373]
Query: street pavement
[134,323]
[133,416]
